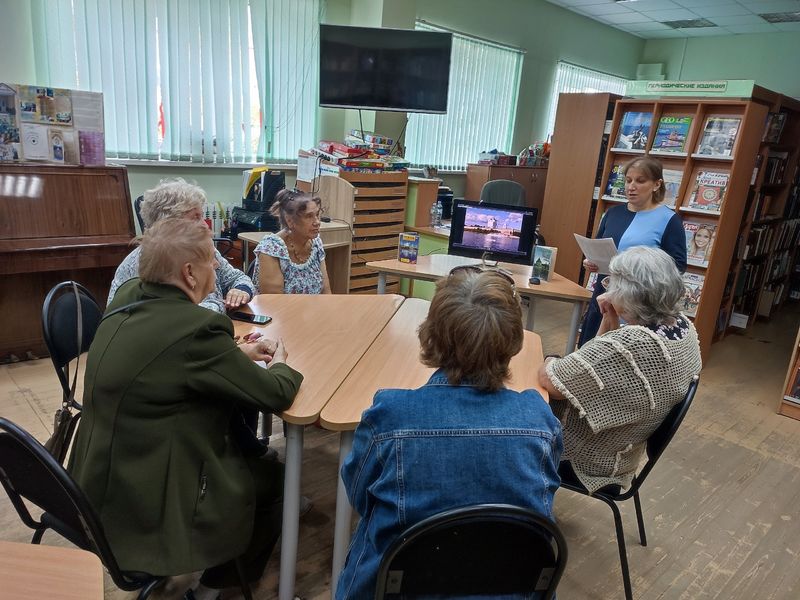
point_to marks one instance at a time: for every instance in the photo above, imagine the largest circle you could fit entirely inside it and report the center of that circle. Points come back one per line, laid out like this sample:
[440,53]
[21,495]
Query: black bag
[65,421]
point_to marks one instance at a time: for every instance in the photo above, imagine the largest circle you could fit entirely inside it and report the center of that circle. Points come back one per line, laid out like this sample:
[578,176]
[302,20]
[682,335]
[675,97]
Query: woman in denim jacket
[461,439]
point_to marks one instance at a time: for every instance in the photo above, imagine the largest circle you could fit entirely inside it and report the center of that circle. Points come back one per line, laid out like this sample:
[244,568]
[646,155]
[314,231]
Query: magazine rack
[708,147]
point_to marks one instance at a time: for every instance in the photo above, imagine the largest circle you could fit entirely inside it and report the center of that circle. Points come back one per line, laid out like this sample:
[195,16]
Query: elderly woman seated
[177,198]
[292,261]
[154,452]
[613,392]
[461,439]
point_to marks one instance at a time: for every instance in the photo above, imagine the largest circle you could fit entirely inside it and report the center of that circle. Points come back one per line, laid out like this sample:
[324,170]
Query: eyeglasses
[483,269]
[605,282]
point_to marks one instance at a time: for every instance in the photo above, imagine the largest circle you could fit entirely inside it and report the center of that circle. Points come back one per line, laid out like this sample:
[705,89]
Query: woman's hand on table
[259,348]
[235,298]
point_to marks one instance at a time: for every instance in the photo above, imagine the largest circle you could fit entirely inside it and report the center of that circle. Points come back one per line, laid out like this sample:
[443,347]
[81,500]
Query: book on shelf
[633,130]
[719,136]
[693,284]
[708,192]
[544,262]
[672,184]
[774,127]
[793,393]
[700,239]
[671,134]
[615,188]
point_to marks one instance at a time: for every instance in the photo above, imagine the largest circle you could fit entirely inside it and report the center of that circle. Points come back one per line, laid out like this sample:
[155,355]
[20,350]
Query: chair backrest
[137,210]
[484,549]
[503,191]
[251,270]
[60,326]
[29,472]
[661,437]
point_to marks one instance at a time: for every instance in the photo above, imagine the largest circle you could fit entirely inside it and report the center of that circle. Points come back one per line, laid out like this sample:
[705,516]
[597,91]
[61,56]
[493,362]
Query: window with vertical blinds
[574,79]
[481,106]
[211,81]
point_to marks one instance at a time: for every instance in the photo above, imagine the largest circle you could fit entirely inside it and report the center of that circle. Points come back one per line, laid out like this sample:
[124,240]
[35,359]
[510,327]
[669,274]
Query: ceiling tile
[724,10]
[623,18]
[695,3]
[760,7]
[705,31]
[764,28]
[670,33]
[738,20]
[649,26]
[604,9]
[643,5]
[578,2]
[788,26]
[675,14]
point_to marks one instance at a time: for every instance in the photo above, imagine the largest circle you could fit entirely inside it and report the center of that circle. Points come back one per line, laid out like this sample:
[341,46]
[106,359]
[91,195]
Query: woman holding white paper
[643,221]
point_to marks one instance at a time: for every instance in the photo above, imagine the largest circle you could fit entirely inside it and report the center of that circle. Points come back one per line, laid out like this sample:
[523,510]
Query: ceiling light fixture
[784,17]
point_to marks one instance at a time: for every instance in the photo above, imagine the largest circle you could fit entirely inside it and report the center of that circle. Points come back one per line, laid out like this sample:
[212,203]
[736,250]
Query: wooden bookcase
[533,179]
[738,167]
[789,404]
[766,251]
[577,158]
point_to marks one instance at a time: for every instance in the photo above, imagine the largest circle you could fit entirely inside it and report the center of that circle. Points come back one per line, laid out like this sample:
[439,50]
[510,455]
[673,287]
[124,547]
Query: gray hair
[646,283]
[171,198]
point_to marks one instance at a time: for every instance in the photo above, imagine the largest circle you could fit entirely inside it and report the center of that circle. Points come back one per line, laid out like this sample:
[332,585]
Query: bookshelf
[761,271]
[789,404]
[577,158]
[704,158]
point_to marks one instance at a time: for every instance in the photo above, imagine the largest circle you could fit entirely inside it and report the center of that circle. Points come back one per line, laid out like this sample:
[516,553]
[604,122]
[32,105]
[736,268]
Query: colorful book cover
[719,136]
[699,242]
[671,134]
[709,191]
[615,188]
[633,130]
[693,283]
[672,185]
[408,248]
[544,262]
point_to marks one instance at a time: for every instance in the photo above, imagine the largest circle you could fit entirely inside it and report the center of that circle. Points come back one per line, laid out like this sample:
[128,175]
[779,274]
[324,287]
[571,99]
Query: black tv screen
[384,69]
[496,231]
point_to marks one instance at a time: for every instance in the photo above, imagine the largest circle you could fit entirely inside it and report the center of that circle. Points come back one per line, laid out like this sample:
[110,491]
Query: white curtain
[574,79]
[191,80]
[481,106]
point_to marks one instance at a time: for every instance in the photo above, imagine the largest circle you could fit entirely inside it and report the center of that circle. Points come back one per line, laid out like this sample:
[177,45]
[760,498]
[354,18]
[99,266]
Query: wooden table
[325,335]
[336,238]
[436,266]
[392,361]
[32,571]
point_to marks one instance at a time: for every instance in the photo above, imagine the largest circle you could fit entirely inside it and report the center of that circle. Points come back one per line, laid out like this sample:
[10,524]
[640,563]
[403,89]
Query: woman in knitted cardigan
[613,392]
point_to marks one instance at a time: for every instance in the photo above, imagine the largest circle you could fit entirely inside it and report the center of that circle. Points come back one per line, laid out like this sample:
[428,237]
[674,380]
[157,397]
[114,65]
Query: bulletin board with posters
[52,125]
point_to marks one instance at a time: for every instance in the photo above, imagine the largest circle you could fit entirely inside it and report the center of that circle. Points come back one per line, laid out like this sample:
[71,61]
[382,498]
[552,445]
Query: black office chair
[656,445]
[60,329]
[29,473]
[503,191]
[488,549]
[137,210]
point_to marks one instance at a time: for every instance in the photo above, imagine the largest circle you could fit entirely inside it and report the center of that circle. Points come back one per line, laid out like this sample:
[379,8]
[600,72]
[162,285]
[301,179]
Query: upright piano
[56,223]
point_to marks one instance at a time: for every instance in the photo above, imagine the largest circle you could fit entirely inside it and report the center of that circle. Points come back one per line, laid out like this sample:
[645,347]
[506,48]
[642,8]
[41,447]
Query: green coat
[153,451]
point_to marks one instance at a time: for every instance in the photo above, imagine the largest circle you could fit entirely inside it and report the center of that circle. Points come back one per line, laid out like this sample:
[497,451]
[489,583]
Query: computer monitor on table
[494,231]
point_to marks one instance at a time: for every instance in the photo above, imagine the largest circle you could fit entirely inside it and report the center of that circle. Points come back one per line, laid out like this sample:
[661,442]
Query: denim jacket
[420,452]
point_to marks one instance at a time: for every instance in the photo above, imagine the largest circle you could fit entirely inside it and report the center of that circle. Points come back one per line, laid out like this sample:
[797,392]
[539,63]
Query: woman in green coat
[153,452]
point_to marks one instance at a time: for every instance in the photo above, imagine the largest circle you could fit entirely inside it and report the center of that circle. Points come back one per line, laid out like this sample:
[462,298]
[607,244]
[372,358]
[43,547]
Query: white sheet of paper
[600,252]
[34,141]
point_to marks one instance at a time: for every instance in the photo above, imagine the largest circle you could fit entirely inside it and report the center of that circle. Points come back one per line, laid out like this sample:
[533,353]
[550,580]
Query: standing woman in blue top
[643,221]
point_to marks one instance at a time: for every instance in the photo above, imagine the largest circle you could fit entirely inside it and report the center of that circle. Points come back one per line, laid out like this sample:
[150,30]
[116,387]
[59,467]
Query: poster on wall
[45,105]
[9,125]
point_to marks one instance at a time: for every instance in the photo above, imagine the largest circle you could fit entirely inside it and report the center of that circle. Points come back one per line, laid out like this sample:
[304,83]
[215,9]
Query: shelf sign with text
[732,88]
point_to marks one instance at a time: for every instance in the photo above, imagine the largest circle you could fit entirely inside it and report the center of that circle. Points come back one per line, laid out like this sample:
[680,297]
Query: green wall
[772,60]
[16,42]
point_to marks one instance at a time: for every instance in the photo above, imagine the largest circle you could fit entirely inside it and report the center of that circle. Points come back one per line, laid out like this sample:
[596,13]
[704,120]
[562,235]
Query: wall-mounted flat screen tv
[384,69]
[493,231]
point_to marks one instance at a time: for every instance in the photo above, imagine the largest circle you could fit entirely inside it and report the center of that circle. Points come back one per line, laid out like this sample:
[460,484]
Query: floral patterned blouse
[305,278]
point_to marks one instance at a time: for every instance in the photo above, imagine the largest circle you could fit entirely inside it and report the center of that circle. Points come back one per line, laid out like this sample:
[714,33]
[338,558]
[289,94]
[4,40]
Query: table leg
[381,283]
[344,514]
[245,254]
[577,311]
[291,510]
[531,313]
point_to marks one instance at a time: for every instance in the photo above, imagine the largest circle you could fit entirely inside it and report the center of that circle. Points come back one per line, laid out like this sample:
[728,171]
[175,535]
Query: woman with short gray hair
[614,392]
[177,198]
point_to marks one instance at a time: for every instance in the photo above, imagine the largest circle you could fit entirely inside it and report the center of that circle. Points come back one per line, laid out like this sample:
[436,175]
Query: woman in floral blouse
[292,261]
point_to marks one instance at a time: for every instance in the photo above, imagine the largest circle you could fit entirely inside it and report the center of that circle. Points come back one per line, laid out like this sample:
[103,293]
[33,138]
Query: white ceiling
[644,18]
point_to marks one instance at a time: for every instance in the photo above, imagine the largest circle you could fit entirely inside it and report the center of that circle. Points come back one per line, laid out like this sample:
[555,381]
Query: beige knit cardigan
[618,389]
